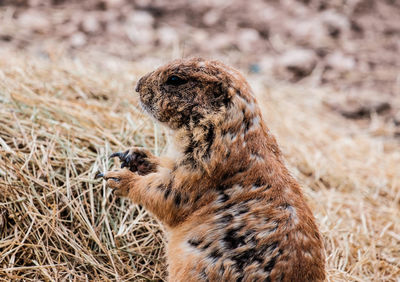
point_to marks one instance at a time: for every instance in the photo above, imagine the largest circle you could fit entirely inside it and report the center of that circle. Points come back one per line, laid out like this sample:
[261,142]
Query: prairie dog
[231,210]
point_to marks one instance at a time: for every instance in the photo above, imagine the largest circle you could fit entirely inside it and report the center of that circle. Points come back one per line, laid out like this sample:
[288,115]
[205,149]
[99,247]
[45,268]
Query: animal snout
[141,81]
[139,85]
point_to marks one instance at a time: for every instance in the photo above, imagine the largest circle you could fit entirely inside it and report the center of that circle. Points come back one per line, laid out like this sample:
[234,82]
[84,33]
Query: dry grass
[60,119]
[351,175]
[58,122]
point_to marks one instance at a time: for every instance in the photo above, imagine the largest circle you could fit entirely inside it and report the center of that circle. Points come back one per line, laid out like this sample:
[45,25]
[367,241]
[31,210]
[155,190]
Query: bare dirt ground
[327,74]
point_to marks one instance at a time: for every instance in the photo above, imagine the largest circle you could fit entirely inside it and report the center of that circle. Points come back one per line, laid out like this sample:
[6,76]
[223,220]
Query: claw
[99,175]
[117,154]
[134,160]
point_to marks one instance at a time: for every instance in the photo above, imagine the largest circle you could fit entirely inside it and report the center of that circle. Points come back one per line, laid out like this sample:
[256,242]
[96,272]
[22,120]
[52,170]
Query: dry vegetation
[60,119]
[58,123]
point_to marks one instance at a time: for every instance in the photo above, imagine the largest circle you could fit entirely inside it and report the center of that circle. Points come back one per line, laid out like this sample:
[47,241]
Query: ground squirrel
[231,210]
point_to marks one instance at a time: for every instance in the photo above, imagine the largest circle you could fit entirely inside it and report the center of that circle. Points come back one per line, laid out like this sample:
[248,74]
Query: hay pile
[60,119]
[58,122]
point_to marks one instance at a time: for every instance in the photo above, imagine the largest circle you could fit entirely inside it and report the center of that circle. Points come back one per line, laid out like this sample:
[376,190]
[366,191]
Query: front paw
[120,181]
[137,160]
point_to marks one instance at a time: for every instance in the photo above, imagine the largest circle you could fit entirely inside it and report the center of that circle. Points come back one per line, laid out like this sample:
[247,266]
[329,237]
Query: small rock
[218,41]
[335,23]
[91,24]
[109,16]
[299,62]
[247,38]
[211,18]
[78,39]
[139,27]
[167,35]
[340,62]
[267,63]
[199,36]
[114,29]
[34,20]
[140,19]
[307,31]
[140,35]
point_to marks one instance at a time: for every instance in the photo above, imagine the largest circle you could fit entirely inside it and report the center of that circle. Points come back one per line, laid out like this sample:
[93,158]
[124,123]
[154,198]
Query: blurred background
[348,45]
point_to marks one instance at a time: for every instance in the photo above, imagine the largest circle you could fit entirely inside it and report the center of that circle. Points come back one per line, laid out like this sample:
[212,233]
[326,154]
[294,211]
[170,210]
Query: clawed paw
[137,160]
[120,181]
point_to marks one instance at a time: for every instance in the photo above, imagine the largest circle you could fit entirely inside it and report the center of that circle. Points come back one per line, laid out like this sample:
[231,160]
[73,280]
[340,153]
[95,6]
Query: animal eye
[175,80]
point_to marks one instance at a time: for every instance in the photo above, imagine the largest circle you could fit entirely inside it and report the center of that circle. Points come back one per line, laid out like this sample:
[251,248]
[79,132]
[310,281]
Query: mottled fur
[232,211]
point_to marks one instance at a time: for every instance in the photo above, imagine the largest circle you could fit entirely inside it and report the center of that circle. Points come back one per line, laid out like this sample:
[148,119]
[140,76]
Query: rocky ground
[351,46]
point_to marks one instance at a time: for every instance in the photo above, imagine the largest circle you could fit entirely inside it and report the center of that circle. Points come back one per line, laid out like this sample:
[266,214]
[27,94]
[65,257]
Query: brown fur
[230,207]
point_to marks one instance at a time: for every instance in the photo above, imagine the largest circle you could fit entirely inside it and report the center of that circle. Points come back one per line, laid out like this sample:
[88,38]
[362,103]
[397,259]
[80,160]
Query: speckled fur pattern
[231,210]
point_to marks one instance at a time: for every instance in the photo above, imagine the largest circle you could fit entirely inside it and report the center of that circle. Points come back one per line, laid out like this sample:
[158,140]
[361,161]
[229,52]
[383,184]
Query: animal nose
[139,85]
[141,82]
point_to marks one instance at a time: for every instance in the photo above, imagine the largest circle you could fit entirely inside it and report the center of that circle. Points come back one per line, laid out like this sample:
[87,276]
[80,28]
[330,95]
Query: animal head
[184,91]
